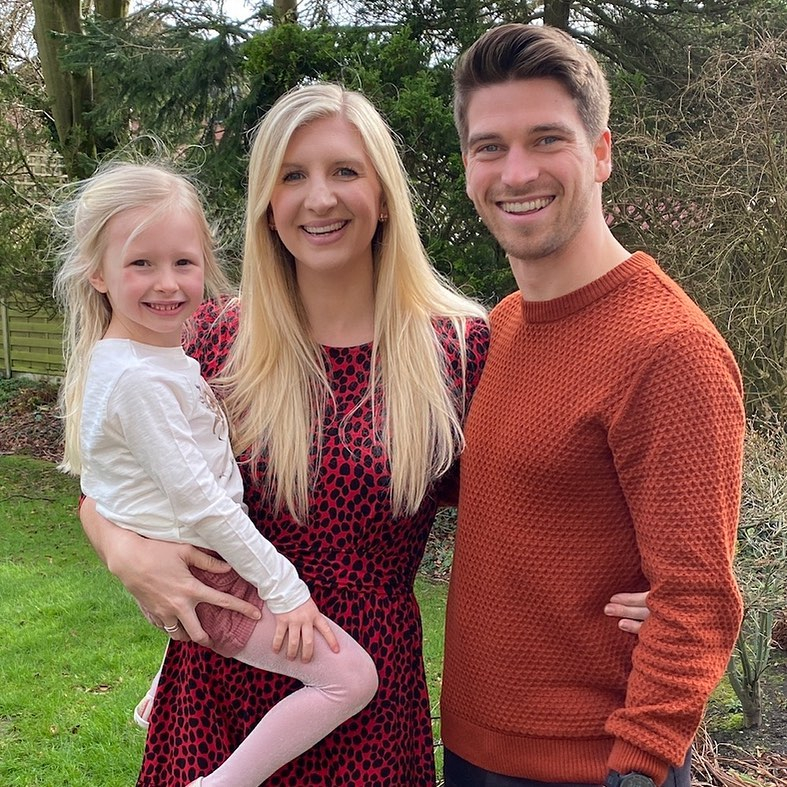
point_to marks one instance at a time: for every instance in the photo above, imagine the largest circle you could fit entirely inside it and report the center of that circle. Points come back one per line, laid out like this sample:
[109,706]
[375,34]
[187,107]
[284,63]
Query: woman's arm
[631,608]
[157,574]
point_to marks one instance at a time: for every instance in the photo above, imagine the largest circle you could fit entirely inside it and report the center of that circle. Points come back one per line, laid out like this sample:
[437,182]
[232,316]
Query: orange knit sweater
[604,448]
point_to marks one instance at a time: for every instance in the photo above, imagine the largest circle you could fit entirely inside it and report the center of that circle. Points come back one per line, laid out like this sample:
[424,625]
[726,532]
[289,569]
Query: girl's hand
[157,574]
[298,626]
[631,608]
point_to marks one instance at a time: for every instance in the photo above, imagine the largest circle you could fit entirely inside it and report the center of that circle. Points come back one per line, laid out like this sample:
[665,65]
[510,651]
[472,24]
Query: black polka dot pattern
[360,564]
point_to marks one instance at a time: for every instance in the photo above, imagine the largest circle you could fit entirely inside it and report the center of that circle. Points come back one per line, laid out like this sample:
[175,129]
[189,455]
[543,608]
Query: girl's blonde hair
[277,386]
[113,189]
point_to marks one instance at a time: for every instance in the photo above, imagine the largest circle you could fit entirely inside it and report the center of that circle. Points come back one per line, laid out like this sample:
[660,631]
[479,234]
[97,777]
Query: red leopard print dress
[360,565]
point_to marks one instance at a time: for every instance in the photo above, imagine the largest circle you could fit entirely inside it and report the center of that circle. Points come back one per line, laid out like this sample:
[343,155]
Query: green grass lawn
[75,654]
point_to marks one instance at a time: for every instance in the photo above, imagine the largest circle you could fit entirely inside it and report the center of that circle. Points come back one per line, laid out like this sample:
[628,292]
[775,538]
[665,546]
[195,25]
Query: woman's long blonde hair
[113,189]
[277,385]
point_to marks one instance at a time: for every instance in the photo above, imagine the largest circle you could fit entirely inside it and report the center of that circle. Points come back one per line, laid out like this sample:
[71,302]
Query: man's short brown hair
[518,51]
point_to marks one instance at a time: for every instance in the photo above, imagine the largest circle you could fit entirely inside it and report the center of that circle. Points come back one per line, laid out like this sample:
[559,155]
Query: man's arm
[678,442]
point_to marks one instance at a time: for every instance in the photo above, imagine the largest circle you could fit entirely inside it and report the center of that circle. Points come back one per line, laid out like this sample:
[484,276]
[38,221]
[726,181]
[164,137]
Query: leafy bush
[20,394]
[761,562]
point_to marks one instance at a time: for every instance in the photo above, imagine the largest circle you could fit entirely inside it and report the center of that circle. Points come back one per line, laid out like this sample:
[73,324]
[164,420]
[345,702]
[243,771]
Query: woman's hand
[157,574]
[298,626]
[631,608]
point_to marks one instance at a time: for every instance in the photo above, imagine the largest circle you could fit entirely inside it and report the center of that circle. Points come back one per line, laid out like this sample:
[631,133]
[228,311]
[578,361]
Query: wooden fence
[32,343]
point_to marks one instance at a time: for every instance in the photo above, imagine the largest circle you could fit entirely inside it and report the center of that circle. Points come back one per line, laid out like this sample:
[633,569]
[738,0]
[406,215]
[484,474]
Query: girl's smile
[154,279]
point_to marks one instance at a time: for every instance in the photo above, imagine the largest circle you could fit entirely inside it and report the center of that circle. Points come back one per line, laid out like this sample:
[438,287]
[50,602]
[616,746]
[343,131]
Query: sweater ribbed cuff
[625,758]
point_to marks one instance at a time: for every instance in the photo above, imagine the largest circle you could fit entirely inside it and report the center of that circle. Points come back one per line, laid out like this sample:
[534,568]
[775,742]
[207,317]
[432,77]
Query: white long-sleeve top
[156,458]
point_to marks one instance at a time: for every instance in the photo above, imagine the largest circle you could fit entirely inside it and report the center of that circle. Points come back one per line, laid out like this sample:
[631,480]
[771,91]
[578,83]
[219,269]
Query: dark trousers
[461,773]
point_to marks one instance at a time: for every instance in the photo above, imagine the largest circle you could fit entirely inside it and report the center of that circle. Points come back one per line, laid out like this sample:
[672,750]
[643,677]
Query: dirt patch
[759,754]
[771,735]
[29,423]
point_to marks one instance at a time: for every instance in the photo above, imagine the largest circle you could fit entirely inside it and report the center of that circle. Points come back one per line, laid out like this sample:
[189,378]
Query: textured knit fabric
[360,564]
[229,631]
[157,460]
[604,449]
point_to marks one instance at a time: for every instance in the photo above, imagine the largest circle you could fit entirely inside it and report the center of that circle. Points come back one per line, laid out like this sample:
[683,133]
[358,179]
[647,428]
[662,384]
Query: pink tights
[336,686]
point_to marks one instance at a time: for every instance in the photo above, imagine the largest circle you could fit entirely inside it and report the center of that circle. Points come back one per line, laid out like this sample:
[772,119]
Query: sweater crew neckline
[558,308]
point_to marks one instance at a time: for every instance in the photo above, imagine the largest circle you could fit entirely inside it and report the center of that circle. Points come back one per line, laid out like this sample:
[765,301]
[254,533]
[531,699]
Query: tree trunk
[112,9]
[285,11]
[103,142]
[66,92]
[556,13]
[70,95]
[751,704]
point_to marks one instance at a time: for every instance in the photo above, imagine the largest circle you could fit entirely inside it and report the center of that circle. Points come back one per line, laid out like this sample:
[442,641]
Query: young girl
[150,441]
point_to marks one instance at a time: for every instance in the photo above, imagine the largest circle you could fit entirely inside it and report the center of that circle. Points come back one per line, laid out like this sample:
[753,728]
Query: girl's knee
[363,677]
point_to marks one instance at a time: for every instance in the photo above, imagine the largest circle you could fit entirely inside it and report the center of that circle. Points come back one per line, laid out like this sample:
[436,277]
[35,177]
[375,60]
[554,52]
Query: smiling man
[604,449]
